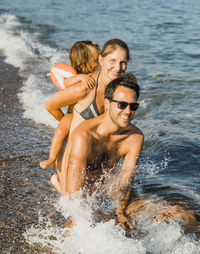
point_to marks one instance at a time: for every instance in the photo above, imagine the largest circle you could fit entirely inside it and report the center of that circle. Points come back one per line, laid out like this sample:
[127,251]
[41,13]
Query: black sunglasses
[123,104]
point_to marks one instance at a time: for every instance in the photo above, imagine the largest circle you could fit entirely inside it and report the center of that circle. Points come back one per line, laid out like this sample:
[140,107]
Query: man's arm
[74,170]
[131,157]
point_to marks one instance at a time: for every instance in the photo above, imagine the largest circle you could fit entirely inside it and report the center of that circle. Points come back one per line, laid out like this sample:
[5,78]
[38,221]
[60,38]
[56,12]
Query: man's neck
[107,127]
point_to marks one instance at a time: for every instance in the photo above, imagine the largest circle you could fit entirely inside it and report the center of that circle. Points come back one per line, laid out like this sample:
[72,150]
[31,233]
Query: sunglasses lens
[134,106]
[122,104]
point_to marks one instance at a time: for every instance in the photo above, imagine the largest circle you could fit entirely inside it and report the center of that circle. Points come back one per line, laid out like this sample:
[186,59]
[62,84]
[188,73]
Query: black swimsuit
[91,111]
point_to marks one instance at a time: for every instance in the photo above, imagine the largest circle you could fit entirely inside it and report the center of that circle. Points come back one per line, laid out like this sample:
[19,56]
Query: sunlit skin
[122,117]
[114,65]
[103,141]
[63,128]
[111,133]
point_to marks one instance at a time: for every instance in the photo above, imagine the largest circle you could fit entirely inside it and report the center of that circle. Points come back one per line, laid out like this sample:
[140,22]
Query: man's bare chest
[103,155]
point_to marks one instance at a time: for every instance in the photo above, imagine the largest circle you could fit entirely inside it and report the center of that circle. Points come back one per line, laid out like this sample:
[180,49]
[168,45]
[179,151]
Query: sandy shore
[24,188]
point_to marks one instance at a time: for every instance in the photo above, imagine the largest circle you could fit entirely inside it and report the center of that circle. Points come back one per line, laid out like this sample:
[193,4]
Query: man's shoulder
[86,128]
[135,131]
[133,142]
[135,137]
[81,130]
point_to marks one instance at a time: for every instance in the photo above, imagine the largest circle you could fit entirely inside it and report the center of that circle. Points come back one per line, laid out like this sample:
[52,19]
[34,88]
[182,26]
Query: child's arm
[86,79]
[60,134]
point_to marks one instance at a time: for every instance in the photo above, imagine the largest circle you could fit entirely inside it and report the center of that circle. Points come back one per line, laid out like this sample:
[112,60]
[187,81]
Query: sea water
[164,39]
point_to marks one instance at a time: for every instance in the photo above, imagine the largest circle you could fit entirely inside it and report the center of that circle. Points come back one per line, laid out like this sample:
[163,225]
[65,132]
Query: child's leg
[60,134]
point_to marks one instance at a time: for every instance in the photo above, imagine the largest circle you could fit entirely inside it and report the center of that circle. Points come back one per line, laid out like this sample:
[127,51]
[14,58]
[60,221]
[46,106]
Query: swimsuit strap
[91,110]
[97,82]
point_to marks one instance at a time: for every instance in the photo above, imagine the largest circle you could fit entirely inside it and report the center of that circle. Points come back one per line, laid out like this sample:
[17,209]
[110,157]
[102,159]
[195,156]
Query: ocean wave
[23,49]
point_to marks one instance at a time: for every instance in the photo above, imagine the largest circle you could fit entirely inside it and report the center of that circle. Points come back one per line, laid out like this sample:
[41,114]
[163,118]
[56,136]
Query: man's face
[122,117]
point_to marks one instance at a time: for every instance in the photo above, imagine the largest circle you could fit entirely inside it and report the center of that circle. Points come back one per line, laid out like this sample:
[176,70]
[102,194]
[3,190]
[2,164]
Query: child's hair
[80,56]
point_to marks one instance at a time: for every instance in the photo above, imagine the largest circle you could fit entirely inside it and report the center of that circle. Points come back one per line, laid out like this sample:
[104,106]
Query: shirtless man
[102,141]
[99,143]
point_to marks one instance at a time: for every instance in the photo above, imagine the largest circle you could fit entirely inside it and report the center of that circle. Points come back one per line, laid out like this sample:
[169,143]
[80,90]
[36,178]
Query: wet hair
[81,56]
[111,45]
[128,80]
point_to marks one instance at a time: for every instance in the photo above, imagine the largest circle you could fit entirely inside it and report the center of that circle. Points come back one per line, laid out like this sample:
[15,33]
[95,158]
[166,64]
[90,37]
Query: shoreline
[23,184]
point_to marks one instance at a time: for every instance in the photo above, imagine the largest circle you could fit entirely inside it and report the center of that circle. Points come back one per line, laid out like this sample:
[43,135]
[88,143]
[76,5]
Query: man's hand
[123,220]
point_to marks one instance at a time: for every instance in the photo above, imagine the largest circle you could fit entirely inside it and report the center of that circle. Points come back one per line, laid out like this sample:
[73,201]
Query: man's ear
[106,104]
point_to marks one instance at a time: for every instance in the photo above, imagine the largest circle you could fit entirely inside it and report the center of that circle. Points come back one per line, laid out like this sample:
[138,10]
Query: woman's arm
[63,98]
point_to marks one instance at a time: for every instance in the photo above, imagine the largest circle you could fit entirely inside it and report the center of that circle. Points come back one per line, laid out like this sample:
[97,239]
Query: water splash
[90,236]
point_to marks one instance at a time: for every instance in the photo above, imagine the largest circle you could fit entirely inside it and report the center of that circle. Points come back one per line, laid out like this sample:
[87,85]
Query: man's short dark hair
[128,80]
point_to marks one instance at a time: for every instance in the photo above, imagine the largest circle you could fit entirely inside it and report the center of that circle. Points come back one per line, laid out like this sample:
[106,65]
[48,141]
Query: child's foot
[55,183]
[47,164]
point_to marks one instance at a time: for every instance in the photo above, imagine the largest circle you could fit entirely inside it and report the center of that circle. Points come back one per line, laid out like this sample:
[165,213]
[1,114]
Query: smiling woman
[113,61]
[113,65]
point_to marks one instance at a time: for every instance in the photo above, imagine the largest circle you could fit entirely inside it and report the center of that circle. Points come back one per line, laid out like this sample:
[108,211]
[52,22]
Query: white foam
[24,51]
[160,236]
[85,237]
[40,234]
[148,168]
[33,102]
[88,237]
[12,45]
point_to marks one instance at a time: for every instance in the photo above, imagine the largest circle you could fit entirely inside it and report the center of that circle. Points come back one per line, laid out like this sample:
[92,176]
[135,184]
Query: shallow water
[164,41]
